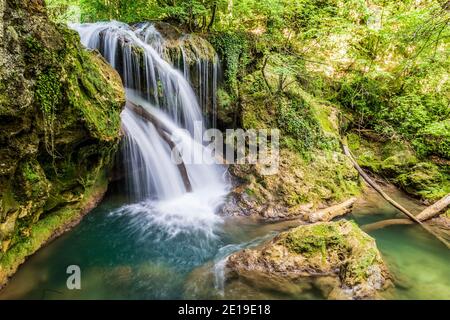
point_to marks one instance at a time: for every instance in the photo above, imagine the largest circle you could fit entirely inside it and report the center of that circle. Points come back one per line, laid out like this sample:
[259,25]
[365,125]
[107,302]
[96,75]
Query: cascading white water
[143,69]
[154,180]
[206,71]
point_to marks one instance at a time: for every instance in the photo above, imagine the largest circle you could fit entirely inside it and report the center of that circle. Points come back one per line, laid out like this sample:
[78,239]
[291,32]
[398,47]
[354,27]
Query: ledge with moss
[425,178]
[48,228]
[312,174]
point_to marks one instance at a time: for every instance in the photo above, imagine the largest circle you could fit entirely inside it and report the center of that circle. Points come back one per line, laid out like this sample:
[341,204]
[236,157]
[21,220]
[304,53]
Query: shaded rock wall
[60,124]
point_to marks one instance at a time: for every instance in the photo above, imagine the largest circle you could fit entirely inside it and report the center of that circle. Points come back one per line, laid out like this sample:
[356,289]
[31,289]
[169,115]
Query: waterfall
[153,83]
[205,73]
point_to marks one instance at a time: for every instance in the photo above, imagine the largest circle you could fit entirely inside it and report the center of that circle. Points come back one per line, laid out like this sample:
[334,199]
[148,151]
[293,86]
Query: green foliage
[297,121]
[32,180]
[434,138]
[48,91]
[48,96]
[64,10]
[398,83]
[235,52]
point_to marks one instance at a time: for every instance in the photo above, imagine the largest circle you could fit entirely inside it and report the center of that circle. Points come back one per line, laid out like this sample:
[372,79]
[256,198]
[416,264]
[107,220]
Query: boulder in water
[342,260]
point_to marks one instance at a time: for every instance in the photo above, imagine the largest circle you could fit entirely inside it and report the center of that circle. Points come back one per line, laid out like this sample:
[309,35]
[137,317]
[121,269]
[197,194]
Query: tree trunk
[385,223]
[331,212]
[164,133]
[426,214]
[213,17]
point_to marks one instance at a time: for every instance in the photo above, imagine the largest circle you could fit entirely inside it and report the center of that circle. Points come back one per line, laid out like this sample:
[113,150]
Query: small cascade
[197,60]
[153,179]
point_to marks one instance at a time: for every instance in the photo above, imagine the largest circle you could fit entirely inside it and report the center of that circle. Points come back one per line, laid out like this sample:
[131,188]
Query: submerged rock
[60,125]
[341,260]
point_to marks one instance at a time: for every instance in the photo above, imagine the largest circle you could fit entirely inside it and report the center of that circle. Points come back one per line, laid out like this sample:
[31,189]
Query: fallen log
[434,209]
[140,111]
[428,213]
[331,212]
[164,132]
[385,223]
[377,188]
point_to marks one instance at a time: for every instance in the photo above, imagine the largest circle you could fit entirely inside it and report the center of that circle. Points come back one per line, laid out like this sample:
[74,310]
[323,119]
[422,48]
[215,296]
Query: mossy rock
[299,188]
[425,180]
[312,174]
[328,249]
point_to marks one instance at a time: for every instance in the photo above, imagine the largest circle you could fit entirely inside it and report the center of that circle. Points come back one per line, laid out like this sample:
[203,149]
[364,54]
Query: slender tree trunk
[434,209]
[426,214]
[213,17]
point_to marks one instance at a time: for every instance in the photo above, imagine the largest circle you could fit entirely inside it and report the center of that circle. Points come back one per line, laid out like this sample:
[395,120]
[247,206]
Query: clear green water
[125,257]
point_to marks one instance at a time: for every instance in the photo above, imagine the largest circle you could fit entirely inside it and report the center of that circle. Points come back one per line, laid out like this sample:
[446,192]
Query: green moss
[31,182]
[33,45]
[358,270]
[44,229]
[48,96]
[353,141]
[87,81]
[48,92]
[315,239]
[397,162]
[425,180]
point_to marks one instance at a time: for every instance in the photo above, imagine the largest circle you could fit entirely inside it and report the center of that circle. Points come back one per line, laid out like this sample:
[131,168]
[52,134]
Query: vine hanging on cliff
[48,96]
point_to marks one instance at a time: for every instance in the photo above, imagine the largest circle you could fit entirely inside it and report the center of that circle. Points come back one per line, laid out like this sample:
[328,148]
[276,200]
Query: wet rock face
[342,260]
[59,118]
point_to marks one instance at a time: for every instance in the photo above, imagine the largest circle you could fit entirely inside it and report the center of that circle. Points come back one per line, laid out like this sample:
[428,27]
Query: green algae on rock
[60,117]
[343,260]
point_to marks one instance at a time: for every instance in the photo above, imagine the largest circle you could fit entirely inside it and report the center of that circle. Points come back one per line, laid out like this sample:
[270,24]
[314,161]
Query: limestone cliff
[60,124]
